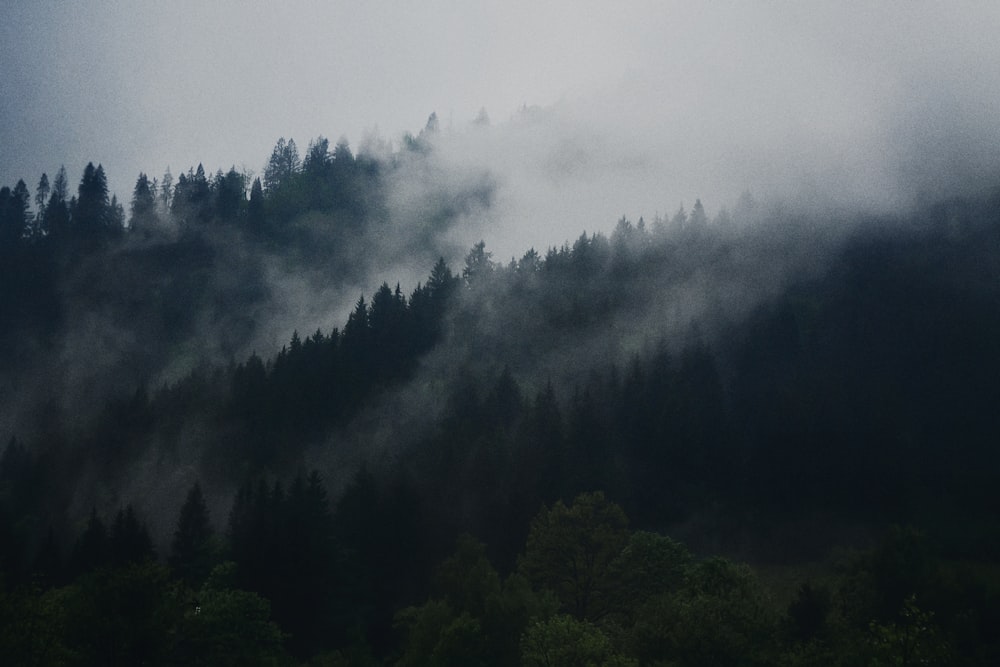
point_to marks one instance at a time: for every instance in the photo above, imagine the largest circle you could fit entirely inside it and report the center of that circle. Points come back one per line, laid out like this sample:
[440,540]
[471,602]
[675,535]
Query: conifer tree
[14,216]
[90,215]
[55,220]
[143,208]
[255,207]
[283,164]
[166,190]
[191,549]
[130,540]
[41,198]
[93,548]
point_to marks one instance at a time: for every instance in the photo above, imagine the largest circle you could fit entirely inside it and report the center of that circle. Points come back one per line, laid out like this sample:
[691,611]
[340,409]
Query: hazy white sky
[710,97]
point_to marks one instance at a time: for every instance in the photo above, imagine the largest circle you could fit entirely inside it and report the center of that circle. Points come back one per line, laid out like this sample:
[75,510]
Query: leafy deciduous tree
[571,551]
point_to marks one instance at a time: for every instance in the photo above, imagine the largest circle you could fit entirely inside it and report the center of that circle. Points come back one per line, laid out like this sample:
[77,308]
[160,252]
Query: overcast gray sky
[681,99]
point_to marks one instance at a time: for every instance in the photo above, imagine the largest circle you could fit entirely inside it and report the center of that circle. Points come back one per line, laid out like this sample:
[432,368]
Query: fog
[592,112]
[842,108]
[833,100]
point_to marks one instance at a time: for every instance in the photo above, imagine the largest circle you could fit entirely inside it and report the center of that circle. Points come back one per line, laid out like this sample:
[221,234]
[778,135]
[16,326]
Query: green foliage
[92,548]
[651,565]
[832,402]
[283,542]
[564,641]
[876,583]
[809,611]
[124,616]
[33,628]
[228,627]
[436,635]
[571,551]
[721,616]
[511,612]
[467,580]
[192,548]
[475,620]
[913,640]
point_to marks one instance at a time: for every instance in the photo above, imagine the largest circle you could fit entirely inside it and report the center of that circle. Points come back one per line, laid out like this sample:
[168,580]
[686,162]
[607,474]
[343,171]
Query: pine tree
[441,281]
[55,221]
[255,207]
[191,549]
[41,198]
[318,157]
[14,217]
[92,549]
[130,541]
[230,194]
[699,218]
[143,208]
[166,190]
[478,264]
[284,164]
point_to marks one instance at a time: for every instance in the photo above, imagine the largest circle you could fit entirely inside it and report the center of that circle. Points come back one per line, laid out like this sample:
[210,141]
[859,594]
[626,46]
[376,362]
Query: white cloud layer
[652,102]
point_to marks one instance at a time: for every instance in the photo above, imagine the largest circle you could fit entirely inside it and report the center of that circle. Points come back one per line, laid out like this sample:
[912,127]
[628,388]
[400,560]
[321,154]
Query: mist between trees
[765,382]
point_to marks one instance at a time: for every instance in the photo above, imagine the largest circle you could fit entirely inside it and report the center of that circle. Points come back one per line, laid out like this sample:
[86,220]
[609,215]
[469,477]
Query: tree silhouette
[191,550]
[130,542]
[92,216]
[92,549]
[143,207]
[282,166]
[14,218]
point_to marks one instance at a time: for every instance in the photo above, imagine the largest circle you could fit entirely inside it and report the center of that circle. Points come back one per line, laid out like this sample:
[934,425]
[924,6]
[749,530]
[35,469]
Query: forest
[757,437]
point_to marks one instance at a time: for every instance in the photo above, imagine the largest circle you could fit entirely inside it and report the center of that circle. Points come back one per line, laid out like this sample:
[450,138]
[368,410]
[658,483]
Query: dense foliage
[759,385]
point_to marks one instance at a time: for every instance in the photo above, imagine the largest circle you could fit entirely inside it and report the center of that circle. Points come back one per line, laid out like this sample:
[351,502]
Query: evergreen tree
[130,541]
[143,208]
[91,214]
[307,596]
[680,219]
[432,125]
[478,265]
[166,191]
[60,186]
[342,152]
[255,207]
[14,218]
[92,549]
[41,199]
[318,157]
[356,329]
[116,217]
[191,554]
[230,195]
[441,281]
[56,220]
[48,560]
[699,218]
[282,166]
[192,201]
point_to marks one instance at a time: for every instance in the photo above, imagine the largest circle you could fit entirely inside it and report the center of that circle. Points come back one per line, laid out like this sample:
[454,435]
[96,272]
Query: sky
[655,102]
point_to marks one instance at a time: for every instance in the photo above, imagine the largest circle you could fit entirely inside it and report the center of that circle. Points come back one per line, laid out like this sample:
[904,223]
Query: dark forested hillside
[482,465]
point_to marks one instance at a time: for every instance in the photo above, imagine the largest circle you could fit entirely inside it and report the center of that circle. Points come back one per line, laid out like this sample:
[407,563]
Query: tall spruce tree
[90,215]
[191,554]
[55,220]
[143,208]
